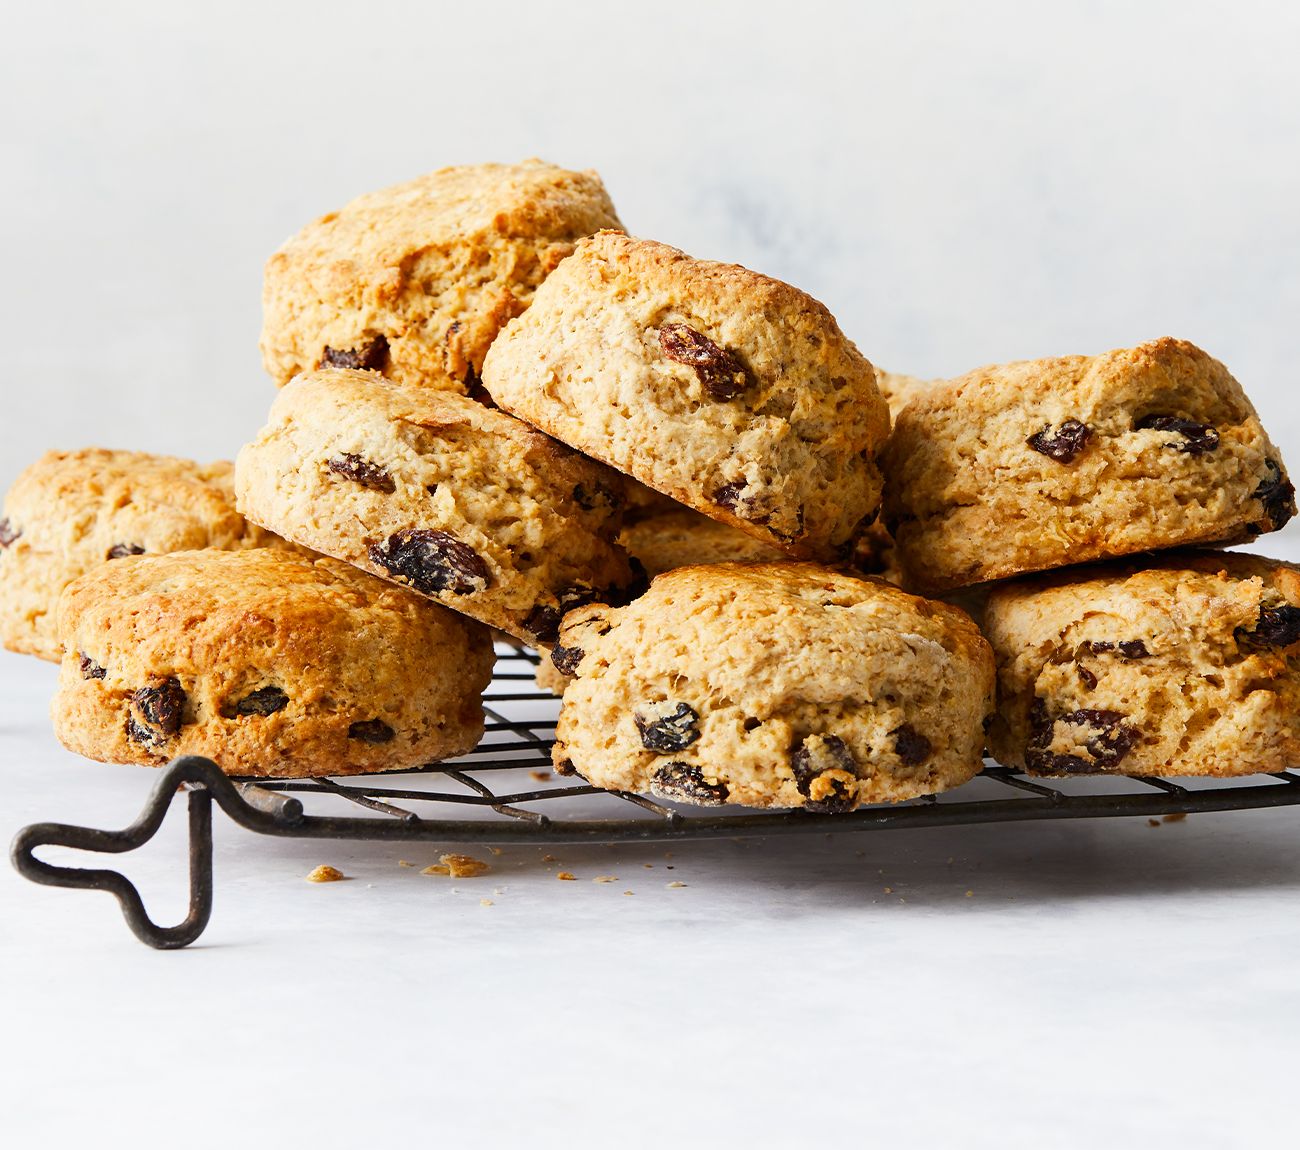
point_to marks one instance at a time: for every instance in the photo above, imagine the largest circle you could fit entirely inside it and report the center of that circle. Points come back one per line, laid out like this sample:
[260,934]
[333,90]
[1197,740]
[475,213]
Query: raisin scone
[1185,664]
[733,393]
[781,685]
[269,663]
[71,511]
[416,280]
[430,489]
[899,390]
[1045,463]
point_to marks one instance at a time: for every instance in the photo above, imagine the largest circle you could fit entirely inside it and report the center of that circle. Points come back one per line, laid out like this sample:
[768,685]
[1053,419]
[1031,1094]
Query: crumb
[403,862]
[549,858]
[435,869]
[950,860]
[648,866]
[605,878]
[889,890]
[498,890]
[1153,822]
[485,902]
[970,894]
[1176,817]
[627,892]
[370,886]
[325,873]
[540,776]
[676,885]
[668,854]
[669,868]
[567,876]
[464,866]
[495,850]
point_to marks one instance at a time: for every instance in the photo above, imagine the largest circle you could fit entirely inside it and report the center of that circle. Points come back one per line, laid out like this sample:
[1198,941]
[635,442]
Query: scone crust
[433,267]
[71,511]
[789,457]
[348,463]
[685,538]
[774,685]
[1186,664]
[354,674]
[969,499]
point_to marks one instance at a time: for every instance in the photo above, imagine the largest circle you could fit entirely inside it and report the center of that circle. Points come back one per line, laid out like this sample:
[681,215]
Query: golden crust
[685,538]
[786,673]
[787,455]
[971,499]
[434,266]
[269,663]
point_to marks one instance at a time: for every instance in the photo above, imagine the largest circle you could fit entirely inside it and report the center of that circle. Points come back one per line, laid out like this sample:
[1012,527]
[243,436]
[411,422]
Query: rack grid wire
[476,798]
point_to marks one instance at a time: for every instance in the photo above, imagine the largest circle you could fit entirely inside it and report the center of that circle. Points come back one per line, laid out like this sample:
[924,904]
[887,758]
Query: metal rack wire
[480,798]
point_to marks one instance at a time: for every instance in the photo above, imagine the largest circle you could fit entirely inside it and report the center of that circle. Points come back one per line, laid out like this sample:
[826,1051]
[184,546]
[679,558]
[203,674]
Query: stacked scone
[677,479]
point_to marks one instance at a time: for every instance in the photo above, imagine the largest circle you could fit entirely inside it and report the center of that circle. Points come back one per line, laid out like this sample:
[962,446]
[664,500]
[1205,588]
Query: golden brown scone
[685,538]
[899,390]
[1184,664]
[416,280]
[437,492]
[549,677]
[70,511]
[269,663]
[733,393]
[1051,462]
[781,685]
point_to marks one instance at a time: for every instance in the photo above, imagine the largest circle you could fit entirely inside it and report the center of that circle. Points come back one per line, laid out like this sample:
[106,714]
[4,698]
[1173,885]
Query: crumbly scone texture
[416,280]
[549,677]
[1041,464]
[733,393]
[435,491]
[774,685]
[685,538]
[269,663]
[899,390]
[71,511]
[1187,664]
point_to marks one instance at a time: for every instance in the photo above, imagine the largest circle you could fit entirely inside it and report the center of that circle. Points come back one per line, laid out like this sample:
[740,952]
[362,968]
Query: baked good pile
[763,571]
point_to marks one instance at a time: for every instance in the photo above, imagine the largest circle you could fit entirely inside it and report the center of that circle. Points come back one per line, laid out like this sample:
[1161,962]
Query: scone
[416,280]
[73,510]
[735,394]
[1051,462]
[437,492]
[780,685]
[1186,664]
[899,390]
[269,663]
[685,538]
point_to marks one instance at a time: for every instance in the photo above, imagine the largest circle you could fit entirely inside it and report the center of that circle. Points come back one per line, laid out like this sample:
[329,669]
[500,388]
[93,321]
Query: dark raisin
[8,533]
[369,357]
[686,783]
[431,561]
[122,550]
[674,731]
[1064,443]
[566,768]
[1277,494]
[263,701]
[1095,646]
[1196,438]
[720,371]
[1109,744]
[1134,649]
[910,745]
[752,724]
[89,668]
[1277,627]
[362,471]
[566,659]
[156,712]
[735,498]
[543,622]
[812,759]
[475,390]
[1086,677]
[372,731]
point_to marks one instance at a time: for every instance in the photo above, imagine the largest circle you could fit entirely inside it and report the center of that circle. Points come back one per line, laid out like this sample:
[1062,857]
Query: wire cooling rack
[504,792]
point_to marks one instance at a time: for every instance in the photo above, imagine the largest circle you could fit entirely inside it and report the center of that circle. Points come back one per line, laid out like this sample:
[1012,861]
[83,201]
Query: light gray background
[961,183]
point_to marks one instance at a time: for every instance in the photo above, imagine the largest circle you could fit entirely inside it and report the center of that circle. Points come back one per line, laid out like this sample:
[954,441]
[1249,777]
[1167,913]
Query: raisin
[1063,444]
[910,745]
[1109,744]
[1197,438]
[431,561]
[1086,677]
[1134,649]
[1277,494]
[369,357]
[372,731]
[720,371]
[475,390]
[1095,646]
[566,659]
[362,471]
[8,533]
[89,668]
[543,622]
[674,731]
[156,712]
[1277,627]
[122,550]
[263,701]
[735,498]
[686,783]
[820,756]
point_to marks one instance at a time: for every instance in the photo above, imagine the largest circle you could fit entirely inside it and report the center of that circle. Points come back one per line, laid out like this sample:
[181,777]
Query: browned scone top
[415,281]
[1187,663]
[726,390]
[1045,463]
[267,662]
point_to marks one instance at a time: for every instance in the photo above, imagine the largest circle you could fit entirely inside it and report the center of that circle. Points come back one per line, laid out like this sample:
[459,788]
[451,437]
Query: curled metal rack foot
[419,805]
